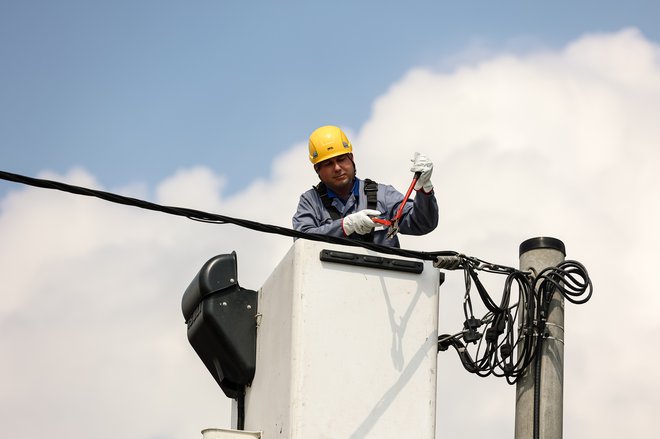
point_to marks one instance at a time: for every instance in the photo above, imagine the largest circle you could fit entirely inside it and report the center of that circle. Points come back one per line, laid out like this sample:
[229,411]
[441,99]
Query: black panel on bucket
[222,329]
[372,261]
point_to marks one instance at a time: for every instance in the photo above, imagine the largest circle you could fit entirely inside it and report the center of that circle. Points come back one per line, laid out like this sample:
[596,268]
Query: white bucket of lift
[223,433]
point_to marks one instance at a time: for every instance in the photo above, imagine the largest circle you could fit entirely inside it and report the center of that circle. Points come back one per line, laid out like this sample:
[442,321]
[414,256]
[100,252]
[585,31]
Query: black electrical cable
[198,215]
[240,410]
[571,280]
[536,421]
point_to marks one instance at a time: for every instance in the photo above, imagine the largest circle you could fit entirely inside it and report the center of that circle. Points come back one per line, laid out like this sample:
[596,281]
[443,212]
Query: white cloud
[196,188]
[560,144]
[557,143]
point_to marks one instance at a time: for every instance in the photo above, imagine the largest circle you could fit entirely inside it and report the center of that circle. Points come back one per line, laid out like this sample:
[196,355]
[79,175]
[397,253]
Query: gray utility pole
[537,254]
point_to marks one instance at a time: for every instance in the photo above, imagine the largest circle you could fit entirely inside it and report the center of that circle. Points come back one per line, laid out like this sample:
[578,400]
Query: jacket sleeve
[420,215]
[311,217]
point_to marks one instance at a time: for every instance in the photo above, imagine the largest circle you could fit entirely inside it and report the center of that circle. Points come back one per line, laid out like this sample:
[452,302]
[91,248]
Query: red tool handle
[403,203]
[382,221]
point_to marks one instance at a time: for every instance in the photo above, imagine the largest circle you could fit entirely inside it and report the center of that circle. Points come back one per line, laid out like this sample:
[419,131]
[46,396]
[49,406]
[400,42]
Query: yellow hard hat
[328,142]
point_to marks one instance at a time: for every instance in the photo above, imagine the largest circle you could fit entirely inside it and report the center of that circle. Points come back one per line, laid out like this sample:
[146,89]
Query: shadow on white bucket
[223,433]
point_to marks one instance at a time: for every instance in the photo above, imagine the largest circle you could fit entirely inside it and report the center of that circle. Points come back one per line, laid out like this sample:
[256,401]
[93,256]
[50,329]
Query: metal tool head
[393,229]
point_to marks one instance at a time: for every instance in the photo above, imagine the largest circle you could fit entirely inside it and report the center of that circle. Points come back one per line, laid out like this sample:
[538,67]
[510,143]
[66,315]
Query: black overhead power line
[198,215]
[500,337]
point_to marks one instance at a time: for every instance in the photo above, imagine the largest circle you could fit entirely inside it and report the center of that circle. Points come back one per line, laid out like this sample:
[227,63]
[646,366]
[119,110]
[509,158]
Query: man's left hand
[423,164]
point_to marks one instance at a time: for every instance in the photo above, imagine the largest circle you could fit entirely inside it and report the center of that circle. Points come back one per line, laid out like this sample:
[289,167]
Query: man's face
[338,173]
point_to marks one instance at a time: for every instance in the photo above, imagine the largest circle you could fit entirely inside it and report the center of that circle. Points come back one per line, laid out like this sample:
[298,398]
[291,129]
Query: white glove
[359,222]
[423,164]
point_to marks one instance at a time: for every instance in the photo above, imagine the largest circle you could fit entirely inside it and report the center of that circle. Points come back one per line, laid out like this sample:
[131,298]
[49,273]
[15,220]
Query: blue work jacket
[420,215]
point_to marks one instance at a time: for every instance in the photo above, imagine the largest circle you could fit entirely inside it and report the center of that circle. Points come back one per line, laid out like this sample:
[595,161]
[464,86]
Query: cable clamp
[548,337]
[447,262]
[555,325]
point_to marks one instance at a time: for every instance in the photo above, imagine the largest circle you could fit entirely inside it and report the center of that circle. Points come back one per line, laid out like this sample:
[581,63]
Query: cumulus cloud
[560,143]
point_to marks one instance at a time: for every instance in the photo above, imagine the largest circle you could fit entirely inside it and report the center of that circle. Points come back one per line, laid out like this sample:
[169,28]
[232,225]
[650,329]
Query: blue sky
[134,90]
[540,117]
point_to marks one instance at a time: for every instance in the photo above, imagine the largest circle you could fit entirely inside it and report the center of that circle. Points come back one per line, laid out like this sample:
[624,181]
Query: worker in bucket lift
[346,206]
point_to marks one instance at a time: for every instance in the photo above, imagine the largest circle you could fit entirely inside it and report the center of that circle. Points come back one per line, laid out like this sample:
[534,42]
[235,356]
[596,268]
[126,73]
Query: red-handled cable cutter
[393,224]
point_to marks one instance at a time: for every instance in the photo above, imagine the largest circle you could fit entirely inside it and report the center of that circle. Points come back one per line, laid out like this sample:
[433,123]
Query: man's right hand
[359,222]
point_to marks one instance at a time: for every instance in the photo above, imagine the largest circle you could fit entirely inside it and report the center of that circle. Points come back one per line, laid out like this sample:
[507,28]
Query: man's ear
[350,156]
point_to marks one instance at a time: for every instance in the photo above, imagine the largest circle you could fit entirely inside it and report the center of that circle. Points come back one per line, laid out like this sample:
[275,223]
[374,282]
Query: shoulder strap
[327,202]
[371,191]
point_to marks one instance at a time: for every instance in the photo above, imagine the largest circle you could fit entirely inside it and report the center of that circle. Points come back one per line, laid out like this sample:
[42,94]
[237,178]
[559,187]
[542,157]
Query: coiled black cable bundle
[512,333]
[569,278]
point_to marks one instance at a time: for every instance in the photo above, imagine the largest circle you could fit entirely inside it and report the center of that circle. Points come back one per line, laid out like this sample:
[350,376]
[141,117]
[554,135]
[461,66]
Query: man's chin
[343,185]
